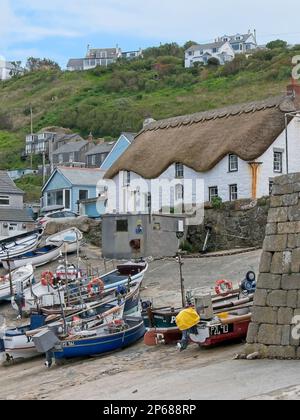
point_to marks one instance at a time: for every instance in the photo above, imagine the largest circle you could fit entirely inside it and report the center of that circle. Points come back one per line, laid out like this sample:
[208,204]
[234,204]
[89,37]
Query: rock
[270,334]
[279,214]
[265,262]
[264,315]
[260,297]
[252,333]
[277,298]
[281,262]
[269,281]
[292,299]
[253,356]
[275,243]
[296,261]
[271,229]
[285,316]
[290,282]
[281,352]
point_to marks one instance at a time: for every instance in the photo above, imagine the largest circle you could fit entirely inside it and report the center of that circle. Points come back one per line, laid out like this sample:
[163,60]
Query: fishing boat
[103,339]
[23,275]
[71,239]
[18,342]
[47,297]
[17,245]
[37,258]
[163,328]
[226,327]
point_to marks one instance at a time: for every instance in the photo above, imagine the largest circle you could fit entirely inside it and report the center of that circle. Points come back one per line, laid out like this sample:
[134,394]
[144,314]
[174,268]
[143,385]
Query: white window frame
[179,192]
[233,194]
[211,196]
[126,178]
[278,164]
[233,163]
[61,158]
[179,170]
[93,160]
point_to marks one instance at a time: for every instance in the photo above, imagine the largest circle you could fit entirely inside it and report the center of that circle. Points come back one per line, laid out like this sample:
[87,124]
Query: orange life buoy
[223,287]
[47,278]
[96,286]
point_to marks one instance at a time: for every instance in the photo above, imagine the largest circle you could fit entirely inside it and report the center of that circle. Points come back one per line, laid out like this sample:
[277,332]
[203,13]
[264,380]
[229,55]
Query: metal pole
[44,167]
[66,275]
[10,276]
[181,281]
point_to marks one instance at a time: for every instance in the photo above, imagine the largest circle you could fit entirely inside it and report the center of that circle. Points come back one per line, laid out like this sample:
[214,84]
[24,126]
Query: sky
[62,29]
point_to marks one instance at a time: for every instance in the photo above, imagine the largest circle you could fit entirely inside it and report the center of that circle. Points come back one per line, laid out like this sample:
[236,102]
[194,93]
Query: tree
[213,61]
[276,44]
[36,64]
[16,68]
[189,44]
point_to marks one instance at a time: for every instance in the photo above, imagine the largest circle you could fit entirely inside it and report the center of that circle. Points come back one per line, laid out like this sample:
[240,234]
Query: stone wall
[238,224]
[277,299]
[92,229]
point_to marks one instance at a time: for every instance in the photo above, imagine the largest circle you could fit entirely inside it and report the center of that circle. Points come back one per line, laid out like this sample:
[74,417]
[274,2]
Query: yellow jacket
[187,319]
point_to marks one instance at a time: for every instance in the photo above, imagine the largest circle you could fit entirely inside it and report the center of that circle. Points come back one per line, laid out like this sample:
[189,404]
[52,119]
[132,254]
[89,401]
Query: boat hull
[18,245]
[99,345]
[70,245]
[34,260]
[157,336]
[25,276]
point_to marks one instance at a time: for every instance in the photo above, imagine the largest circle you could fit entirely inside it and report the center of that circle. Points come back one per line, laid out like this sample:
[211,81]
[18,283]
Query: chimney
[293,89]
[90,138]
[148,121]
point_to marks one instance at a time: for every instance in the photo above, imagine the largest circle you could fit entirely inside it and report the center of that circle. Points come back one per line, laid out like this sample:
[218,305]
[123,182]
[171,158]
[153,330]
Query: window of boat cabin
[122,225]
[4,200]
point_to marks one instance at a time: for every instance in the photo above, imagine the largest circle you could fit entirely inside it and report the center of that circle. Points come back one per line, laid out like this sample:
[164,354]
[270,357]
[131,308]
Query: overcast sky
[61,29]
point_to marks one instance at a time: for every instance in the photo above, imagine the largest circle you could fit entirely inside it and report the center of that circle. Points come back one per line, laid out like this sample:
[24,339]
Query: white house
[241,43]
[220,50]
[233,152]
[8,69]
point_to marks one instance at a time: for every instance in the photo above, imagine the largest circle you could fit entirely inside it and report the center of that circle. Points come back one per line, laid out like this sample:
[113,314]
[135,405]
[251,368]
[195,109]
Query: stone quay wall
[277,299]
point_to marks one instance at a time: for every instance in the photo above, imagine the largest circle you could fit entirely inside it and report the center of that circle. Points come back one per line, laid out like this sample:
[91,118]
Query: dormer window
[233,163]
[179,170]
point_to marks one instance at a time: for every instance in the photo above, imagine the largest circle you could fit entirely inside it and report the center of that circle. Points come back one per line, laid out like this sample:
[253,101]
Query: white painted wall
[221,177]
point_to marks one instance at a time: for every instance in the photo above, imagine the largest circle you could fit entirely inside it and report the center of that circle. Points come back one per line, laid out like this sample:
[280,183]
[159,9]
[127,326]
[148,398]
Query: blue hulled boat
[103,340]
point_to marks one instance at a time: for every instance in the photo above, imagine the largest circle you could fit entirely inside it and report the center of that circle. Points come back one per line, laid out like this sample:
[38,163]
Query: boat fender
[47,278]
[223,287]
[96,286]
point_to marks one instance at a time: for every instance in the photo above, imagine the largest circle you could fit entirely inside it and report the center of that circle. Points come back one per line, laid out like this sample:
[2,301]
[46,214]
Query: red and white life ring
[95,286]
[47,278]
[223,287]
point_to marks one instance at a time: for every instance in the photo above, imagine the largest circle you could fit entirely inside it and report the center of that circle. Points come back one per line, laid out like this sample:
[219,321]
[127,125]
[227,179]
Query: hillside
[119,98]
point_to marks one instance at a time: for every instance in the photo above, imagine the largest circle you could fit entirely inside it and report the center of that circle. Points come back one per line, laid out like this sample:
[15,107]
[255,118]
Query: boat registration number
[221,329]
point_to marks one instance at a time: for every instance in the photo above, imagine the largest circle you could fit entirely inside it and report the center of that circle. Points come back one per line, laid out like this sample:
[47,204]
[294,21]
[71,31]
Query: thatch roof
[201,140]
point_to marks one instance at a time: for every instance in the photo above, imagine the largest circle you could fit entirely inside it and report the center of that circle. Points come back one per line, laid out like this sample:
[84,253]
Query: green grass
[108,101]
[32,186]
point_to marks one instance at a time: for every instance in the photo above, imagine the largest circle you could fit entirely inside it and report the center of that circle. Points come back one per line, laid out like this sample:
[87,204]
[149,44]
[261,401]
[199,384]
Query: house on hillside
[234,152]
[97,155]
[202,53]
[241,43]
[101,57]
[71,154]
[124,141]
[14,219]
[48,142]
[67,187]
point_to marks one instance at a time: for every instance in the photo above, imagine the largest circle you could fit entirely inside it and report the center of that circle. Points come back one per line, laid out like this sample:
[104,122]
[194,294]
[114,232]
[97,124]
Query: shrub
[217,203]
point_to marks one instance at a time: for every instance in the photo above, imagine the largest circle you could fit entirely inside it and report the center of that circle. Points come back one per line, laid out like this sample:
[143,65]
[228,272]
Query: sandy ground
[141,372]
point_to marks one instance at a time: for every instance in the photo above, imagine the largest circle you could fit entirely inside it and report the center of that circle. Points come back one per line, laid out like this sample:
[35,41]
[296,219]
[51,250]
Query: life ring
[223,287]
[95,286]
[47,278]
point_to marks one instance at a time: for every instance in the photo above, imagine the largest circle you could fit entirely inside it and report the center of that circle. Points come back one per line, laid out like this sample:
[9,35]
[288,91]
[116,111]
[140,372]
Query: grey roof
[14,215]
[7,185]
[64,136]
[209,46]
[96,53]
[75,62]
[82,176]
[130,136]
[243,36]
[73,146]
[100,149]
